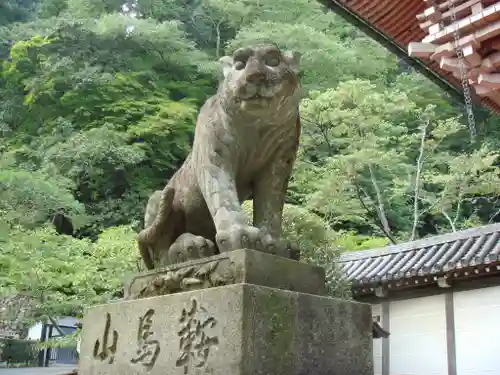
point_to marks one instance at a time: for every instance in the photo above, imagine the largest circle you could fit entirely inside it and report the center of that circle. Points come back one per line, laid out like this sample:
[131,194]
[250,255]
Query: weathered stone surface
[241,329]
[245,144]
[239,266]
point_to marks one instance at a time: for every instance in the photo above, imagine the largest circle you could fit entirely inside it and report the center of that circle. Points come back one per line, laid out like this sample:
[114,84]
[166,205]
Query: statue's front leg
[216,179]
[218,187]
[268,201]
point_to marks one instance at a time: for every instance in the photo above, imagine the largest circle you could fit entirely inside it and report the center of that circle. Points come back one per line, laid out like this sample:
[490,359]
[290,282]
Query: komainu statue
[245,145]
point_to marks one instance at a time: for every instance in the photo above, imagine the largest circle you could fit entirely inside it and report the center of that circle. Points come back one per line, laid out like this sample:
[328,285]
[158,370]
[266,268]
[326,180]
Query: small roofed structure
[444,259]
[440,295]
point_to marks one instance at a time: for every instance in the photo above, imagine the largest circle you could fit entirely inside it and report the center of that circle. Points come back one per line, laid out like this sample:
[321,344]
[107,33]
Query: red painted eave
[397,19]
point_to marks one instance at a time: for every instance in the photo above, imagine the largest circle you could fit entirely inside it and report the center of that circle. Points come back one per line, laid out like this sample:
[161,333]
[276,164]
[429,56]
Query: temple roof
[394,24]
[438,255]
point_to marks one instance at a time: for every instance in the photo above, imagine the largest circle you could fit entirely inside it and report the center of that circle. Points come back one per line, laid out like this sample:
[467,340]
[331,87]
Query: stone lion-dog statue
[245,145]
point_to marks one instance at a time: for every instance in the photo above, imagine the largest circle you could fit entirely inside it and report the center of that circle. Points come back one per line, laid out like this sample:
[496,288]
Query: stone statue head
[260,76]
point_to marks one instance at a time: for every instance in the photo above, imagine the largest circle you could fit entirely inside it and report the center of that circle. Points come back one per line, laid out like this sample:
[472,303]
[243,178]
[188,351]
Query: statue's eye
[272,61]
[238,65]
[240,58]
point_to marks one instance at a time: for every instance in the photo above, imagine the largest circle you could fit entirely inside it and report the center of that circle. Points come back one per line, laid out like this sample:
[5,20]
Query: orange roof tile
[397,19]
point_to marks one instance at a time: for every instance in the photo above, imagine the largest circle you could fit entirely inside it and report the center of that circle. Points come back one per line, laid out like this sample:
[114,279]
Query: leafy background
[98,101]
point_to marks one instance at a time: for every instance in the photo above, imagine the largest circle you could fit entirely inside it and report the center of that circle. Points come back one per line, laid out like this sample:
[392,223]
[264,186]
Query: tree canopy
[98,102]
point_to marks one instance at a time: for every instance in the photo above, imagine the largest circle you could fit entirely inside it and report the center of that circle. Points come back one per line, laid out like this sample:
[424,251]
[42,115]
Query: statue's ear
[227,64]
[293,60]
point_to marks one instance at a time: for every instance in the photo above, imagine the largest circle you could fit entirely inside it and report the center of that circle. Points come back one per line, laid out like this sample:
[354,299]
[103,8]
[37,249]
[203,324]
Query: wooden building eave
[393,47]
[368,24]
[465,278]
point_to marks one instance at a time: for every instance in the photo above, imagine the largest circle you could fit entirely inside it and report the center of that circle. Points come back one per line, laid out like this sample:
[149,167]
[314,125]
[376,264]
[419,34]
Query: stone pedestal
[235,267]
[235,329]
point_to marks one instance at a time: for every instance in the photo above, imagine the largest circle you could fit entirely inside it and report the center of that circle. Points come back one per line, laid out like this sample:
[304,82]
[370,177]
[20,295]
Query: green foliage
[350,240]
[319,47]
[67,341]
[64,275]
[98,108]
[316,241]
[14,351]
[16,11]
[28,198]
[382,162]
[93,8]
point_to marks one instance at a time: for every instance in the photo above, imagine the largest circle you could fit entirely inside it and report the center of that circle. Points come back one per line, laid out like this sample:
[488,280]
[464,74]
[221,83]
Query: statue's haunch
[147,238]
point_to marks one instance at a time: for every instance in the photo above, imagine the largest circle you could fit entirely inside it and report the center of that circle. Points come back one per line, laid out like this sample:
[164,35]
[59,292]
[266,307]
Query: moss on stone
[280,319]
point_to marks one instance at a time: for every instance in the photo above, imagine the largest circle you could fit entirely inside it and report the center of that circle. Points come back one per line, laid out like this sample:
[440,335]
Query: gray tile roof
[429,256]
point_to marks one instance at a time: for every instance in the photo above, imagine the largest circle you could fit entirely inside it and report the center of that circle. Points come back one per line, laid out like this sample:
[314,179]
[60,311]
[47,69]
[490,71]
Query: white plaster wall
[377,343]
[35,332]
[477,321]
[418,336]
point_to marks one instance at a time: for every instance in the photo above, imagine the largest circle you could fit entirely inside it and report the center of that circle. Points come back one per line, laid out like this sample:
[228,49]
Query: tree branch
[431,206]
[431,151]
[325,136]
[359,189]
[42,300]
[494,216]
[56,325]
[449,220]
[435,203]
[459,207]
[416,197]
[380,203]
[158,51]
[218,36]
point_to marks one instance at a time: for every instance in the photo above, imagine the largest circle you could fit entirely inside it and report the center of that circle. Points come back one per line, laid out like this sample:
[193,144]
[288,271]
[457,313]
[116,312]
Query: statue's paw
[188,246]
[293,251]
[276,246]
[239,237]
[248,237]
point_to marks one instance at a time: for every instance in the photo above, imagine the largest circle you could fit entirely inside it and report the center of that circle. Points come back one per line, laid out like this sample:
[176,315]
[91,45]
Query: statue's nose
[255,77]
[254,73]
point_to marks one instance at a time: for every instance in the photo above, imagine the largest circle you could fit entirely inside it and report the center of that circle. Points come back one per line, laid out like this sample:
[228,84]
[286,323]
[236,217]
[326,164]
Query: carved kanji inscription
[106,352]
[195,343]
[148,349]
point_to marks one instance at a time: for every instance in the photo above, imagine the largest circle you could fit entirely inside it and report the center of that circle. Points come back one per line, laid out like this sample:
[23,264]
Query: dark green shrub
[14,351]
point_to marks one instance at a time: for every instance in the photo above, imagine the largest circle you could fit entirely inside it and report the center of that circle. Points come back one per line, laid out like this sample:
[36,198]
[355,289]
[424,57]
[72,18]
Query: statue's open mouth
[258,97]
[256,101]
